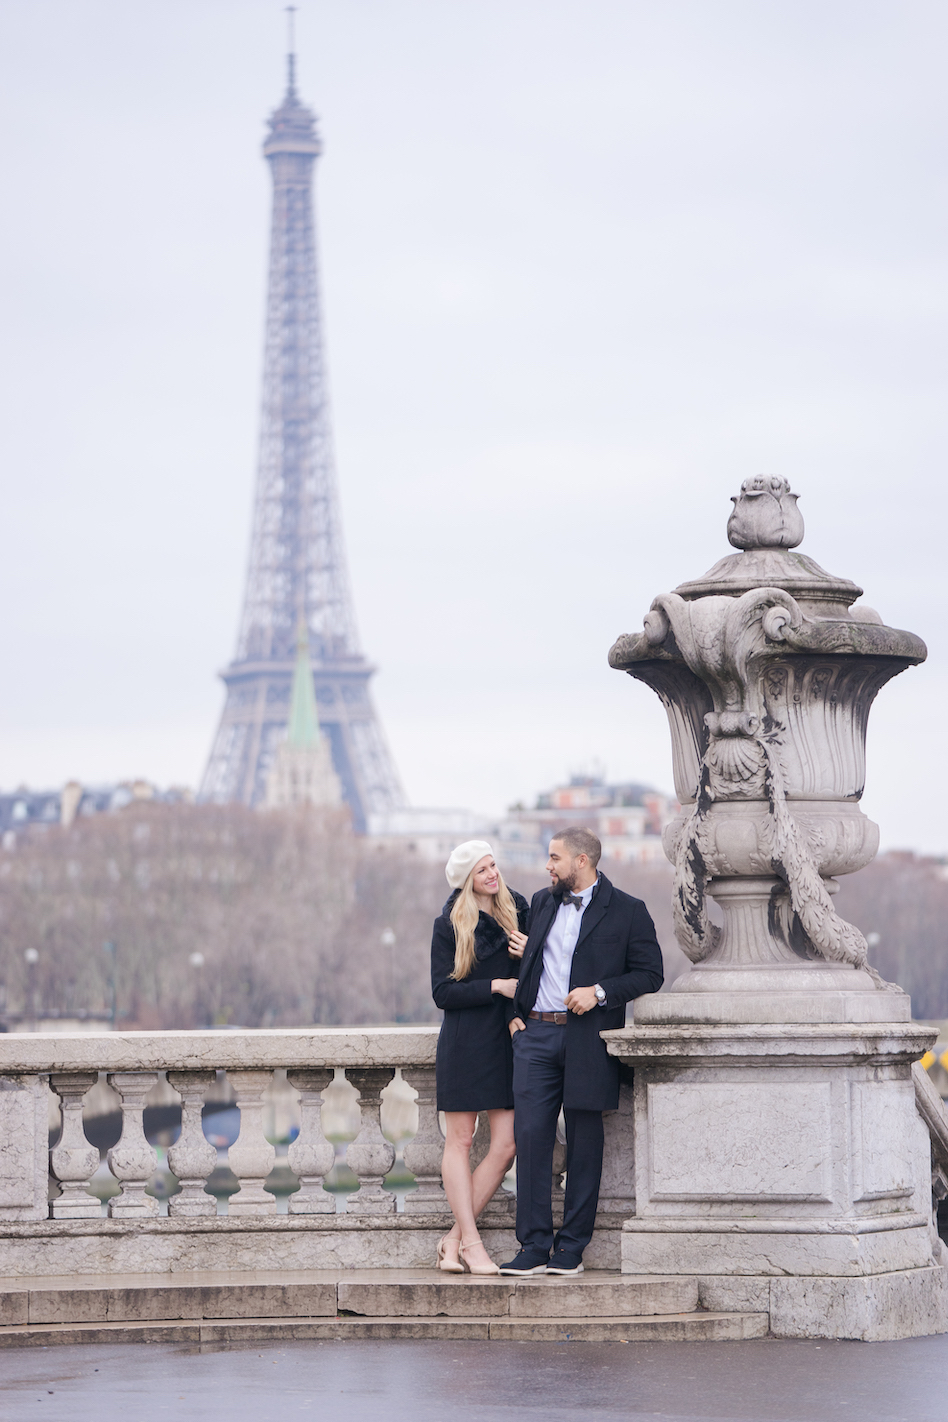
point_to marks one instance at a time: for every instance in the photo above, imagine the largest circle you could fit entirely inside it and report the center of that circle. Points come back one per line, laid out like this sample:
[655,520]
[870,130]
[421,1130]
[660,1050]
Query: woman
[474,949]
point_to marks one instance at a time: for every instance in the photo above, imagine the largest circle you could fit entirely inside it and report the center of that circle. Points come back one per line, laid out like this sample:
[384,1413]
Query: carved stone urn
[780,1156]
[767,667]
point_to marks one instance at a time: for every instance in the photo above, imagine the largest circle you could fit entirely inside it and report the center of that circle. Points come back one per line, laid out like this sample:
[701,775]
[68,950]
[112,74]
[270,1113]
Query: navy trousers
[539,1055]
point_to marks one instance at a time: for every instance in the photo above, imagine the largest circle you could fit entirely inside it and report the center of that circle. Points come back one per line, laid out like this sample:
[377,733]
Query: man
[590,950]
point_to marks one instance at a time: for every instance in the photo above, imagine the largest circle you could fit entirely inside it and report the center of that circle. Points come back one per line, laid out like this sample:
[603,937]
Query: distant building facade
[26,811]
[432,833]
[628,818]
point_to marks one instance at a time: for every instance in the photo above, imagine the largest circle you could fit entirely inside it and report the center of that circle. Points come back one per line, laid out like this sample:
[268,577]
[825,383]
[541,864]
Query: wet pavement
[761,1381]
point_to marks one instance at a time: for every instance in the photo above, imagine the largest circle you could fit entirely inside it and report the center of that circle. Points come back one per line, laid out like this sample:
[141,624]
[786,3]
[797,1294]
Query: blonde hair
[464,914]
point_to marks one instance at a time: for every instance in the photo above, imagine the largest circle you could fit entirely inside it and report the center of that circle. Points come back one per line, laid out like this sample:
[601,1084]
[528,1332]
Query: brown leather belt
[558,1017]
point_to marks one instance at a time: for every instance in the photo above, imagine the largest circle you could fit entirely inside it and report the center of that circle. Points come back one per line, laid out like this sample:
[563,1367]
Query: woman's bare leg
[473,1194]
[456,1175]
[494,1166]
[496,1162]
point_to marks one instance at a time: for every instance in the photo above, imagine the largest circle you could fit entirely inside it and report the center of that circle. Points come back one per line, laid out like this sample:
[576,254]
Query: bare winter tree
[903,898]
[219,914]
[266,900]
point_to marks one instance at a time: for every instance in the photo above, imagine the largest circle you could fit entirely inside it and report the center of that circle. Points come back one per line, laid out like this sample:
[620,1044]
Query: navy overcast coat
[617,949]
[474,1063]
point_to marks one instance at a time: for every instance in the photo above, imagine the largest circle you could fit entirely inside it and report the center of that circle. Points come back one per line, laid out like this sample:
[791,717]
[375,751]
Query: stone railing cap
[29,1052]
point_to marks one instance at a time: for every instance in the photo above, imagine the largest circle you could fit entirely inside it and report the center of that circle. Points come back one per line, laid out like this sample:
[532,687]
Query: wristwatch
[600,995]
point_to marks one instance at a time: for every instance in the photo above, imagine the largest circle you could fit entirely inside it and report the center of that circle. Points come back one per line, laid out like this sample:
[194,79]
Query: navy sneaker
[565,1263]
[528,1261]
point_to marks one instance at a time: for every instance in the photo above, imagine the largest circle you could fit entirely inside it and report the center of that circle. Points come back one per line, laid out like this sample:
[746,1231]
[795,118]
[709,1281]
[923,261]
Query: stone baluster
[617,1188]
[251,1156]
[559,1165]
[481,1142]
[133,1161]
[370,1155]
[501,1198]
[73,1161]
[423,1152]
[192,1157]
[311,1156]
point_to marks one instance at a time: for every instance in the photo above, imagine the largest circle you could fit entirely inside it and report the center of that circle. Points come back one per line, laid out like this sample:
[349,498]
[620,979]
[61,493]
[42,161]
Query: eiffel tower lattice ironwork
[297,574]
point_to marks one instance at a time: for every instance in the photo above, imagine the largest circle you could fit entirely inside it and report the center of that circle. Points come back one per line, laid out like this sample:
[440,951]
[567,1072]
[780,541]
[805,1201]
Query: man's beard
[566,884]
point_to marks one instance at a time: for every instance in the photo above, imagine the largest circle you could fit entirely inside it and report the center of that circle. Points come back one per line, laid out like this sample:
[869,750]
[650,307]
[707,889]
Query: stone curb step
[654,1328]
[383,1293]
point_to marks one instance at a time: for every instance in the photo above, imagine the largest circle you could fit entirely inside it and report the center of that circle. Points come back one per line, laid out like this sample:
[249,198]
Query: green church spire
[302,730]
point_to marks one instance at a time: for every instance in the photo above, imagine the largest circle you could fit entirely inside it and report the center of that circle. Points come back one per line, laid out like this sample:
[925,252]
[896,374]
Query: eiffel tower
[297,575]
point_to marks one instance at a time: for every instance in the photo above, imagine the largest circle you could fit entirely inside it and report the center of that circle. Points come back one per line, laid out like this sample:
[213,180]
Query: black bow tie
[575,899]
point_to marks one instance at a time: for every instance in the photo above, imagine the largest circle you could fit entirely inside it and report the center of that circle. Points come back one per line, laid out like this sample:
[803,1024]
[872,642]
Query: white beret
[463,859]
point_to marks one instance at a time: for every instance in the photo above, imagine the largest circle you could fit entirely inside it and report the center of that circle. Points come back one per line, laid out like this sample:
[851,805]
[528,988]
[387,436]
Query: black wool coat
[617,949]
[474,1062]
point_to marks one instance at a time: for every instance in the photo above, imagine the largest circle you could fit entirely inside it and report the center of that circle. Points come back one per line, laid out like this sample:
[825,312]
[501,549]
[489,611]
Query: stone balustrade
[50,1223]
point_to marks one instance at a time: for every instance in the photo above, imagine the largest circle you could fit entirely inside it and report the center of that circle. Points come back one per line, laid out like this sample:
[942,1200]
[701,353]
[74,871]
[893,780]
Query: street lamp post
[388,940]
[109,948]
[31,955]
[196,961]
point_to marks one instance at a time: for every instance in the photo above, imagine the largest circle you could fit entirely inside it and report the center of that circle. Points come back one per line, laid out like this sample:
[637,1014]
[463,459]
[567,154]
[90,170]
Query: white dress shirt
[558,954]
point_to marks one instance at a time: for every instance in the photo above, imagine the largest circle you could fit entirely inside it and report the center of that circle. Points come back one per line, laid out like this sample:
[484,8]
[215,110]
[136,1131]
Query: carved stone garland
[742,761]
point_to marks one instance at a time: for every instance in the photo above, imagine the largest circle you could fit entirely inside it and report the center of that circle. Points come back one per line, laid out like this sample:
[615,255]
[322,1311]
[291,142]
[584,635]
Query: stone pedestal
[787,1165]
[24,1133]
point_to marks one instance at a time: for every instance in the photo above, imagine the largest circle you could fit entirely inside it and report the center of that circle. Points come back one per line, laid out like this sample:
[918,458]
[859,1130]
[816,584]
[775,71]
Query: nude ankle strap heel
[448,1265]
[476,1268]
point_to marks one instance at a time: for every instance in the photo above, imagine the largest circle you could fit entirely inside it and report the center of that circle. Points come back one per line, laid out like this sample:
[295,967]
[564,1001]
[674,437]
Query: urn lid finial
[765,515]
[766,526]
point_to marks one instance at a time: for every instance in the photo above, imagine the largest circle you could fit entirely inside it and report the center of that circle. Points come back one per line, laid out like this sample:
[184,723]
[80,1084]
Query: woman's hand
[516,942]
[504,987]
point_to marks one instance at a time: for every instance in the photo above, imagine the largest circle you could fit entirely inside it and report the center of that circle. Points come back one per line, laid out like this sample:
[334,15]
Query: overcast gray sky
[587,264]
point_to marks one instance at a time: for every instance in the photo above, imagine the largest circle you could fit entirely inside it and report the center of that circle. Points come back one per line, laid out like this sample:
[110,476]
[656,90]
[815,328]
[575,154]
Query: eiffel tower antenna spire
[291,49]
[297,573]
